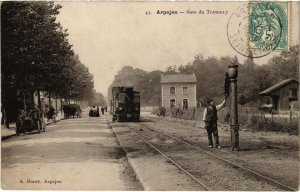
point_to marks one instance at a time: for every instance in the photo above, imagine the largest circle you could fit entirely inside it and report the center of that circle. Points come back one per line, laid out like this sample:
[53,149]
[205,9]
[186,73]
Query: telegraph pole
[234,126]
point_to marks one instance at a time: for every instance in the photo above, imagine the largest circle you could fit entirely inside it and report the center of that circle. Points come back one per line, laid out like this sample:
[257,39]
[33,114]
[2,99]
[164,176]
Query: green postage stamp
[258,28]
[268,25]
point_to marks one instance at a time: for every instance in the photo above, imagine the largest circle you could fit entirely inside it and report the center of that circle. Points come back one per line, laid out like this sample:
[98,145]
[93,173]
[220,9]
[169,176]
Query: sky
[110,35]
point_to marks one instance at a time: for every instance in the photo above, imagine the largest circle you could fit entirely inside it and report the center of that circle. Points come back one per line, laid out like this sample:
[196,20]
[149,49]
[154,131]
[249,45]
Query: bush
[249,118]
[278,124]
[253,119]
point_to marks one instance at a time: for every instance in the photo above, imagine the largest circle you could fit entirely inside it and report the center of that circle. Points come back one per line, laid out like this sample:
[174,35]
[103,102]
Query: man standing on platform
[210,117]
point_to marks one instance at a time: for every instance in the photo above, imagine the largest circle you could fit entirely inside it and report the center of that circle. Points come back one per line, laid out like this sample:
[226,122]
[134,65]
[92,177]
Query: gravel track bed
[274,155]
[136,148]
[215,173]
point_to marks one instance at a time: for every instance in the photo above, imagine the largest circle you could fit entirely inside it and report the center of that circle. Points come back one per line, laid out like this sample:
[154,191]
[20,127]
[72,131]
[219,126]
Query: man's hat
[209,100]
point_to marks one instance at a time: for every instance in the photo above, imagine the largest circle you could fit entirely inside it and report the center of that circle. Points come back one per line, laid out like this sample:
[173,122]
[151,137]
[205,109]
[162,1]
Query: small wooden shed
[283,94]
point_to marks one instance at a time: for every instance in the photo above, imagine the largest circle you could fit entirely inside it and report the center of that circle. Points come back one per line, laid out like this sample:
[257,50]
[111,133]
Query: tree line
[37,56]
[210,73]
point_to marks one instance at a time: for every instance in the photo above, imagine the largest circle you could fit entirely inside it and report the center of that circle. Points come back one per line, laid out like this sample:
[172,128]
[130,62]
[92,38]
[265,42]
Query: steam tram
[125,104]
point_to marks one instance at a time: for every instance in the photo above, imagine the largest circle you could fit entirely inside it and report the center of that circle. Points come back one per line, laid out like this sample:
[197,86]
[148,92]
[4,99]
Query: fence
[249,118]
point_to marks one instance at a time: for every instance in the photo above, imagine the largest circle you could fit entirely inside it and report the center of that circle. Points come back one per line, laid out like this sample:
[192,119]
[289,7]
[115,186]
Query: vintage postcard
[146,95]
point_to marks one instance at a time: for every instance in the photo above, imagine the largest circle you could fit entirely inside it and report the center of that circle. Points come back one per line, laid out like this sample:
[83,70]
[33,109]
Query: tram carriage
[125,104]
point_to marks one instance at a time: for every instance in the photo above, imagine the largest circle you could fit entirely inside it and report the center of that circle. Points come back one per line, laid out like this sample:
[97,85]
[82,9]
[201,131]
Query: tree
[148,84]
[23,27]
[249,63]
[286,65]
[210,73]
[171,70]
[98,100]
[187,69]
[36,55]
[152,93]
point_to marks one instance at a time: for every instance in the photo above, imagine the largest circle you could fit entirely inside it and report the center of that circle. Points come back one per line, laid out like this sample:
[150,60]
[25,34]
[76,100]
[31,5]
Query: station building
[178,91]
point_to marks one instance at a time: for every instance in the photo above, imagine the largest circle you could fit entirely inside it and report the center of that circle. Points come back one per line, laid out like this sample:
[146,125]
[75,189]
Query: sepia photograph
[150,95]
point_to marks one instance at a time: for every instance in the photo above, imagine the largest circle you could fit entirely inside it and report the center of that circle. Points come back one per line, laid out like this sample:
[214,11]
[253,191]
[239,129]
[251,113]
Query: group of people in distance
[95,111]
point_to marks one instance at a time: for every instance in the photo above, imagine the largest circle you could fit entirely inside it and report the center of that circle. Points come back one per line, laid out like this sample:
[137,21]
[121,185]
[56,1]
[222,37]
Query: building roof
[277,86]
[178,78]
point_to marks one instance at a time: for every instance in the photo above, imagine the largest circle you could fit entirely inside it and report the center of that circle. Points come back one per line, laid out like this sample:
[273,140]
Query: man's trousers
[212,129]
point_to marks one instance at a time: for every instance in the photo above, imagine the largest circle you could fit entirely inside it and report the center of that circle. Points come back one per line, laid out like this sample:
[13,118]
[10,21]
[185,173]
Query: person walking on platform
[102,110]
[93,111]
[210,118]
[98,113]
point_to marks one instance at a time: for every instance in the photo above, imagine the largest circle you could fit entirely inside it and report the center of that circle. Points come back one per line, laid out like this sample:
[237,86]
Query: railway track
[174,161]
[270,180]
[169,159]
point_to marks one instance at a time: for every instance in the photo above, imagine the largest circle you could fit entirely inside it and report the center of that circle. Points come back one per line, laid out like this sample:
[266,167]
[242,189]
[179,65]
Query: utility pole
[234,126]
